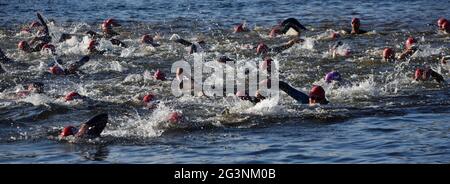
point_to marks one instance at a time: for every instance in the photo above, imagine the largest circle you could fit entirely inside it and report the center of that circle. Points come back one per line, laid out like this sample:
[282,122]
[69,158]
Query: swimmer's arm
[183,42]
[406,53]
[42,22]
[438,77]
[294,93]
[286,45]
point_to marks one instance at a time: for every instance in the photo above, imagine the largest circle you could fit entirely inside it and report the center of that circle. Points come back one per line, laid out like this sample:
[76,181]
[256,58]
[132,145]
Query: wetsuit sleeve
[96,124]
[43,23]
[183,42]
[436,76]
[295,94]
[292,23]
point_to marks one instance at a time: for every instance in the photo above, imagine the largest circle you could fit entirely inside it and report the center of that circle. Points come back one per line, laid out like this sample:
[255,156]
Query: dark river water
[379,115]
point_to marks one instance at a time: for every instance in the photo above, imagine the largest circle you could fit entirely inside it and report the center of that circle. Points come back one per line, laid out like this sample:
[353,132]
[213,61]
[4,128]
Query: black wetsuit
[291,23]
[73,67]
[296,94]
[434,75]
[193,47]
[96,125]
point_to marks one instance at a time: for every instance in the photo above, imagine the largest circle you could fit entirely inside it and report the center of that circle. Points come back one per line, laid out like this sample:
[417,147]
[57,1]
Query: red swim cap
[262,48]
[92,44]
[72,96]
[317,92]
[175,117]
[146,39]
[159,75]
[355,21]
[418,74]
[388,53]
[68,130]
[410,42]
[148,98]
[56,70]
[441,21]
[239,28]
[22,45]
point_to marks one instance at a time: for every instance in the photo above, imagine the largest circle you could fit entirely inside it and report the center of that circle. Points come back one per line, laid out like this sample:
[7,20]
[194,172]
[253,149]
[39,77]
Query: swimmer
[194,47]
[107,28]
[356,24]
[72,68]
[263,49]
[287,25]
[410,48]
[148,40]
[159,75]
[427,74]
[73,95]
[316,94]
[32,88]
[332,76]
[149,101]
[388,54]
[241,28]
[337,49]
[92,50]
[90,129]
[443,25]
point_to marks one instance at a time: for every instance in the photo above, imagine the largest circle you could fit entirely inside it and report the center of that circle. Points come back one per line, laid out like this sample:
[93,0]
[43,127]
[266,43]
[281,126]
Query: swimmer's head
[147,39]
[148,98]
[274,32]
[68,131]
[441,21]
[175,117]
[91,45]
[239,28]
[317,94]
[388,54]
[410,42]
[356,23]
[72,96]
[23,46]
[332,76]
[262,48]
[422,74]
[159,75]
[56,70]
